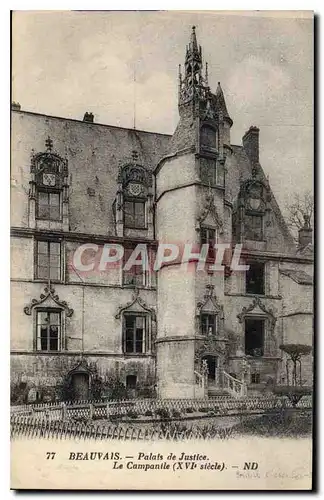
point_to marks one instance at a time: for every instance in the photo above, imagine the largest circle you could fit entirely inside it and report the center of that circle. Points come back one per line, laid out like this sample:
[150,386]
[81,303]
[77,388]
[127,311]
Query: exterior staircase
[214,392]
[231,387]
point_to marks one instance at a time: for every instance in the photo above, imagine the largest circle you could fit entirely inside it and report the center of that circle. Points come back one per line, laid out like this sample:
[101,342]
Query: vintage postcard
[162,237]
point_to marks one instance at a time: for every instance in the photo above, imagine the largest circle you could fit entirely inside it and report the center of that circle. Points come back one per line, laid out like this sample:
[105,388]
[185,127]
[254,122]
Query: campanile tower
[190,187]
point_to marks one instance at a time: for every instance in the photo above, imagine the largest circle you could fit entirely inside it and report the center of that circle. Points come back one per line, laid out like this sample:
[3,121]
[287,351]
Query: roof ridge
[89,123]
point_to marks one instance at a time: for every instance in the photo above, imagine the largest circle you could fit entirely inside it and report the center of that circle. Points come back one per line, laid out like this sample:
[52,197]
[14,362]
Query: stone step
[216,391]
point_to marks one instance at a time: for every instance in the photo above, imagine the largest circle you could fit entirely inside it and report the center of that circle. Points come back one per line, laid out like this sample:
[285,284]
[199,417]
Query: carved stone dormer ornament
[258,307]
[210,210]
[49,296]
[210,303]
[133,205]
[48,189]
[253,207]
[136,305]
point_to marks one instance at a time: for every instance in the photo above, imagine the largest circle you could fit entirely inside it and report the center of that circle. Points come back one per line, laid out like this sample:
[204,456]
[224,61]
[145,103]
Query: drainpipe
[82,317]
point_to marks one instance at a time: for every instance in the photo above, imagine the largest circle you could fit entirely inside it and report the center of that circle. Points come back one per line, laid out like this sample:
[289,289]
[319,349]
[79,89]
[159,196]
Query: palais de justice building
[170,331]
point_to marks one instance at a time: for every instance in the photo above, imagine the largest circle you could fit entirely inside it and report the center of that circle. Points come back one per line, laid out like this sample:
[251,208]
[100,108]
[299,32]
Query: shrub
[118,391]
[115,417]
[176,413]
[163,413]
[132,414]
[189,410]
[203,409]
[148,413]
[293,393]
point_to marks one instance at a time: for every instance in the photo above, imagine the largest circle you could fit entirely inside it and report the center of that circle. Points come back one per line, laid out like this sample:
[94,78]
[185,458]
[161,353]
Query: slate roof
[298,276]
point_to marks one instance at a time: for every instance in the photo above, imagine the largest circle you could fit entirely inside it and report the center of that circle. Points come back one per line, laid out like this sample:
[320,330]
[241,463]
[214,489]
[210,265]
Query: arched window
[208,136]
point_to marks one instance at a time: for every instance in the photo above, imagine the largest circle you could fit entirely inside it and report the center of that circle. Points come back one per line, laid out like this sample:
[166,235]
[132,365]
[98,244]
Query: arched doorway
[80,384]
[80,381]
[131,381]
[212,365]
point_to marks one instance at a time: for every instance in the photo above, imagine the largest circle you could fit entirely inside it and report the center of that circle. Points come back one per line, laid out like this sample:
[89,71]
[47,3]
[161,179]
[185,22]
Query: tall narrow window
[255,378]
[48,330]
[209,324]
[134,214]
[134,334]
[48,260]
[255,278]
[208,171]
[220,175]
[254,227]
[48,205]
[208,235]
[136,275]
[254,337]
[208,136]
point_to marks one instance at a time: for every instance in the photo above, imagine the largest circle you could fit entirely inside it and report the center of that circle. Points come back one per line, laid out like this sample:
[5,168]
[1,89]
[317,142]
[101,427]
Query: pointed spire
[193,50]
[193,40]
[221,104]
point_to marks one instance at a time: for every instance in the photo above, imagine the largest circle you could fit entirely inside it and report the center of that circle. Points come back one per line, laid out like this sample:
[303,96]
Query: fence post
[64,411]
[91,411]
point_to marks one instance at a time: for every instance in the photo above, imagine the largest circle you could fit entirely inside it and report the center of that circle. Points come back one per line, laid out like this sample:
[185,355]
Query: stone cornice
[22,232]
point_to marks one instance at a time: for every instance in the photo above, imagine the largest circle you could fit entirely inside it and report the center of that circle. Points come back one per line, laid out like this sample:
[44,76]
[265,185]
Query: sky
[66,63]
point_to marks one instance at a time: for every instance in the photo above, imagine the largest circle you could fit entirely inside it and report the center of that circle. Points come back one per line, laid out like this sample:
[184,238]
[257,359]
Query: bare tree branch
[300,211]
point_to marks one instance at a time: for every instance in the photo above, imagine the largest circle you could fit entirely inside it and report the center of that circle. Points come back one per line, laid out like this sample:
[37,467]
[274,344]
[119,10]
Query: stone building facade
[165,331]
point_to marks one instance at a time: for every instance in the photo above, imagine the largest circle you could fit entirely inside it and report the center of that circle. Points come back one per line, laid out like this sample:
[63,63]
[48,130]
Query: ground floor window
[134,334]
[48,330]
[255,378]
[254,337]
[131,381]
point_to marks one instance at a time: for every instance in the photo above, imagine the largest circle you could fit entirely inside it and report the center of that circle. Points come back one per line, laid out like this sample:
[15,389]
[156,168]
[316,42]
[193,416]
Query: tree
[300,211]
[295,391]
[295,353]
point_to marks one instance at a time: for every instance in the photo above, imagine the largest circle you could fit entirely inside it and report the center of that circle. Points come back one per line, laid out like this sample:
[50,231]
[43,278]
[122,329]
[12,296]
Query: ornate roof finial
[193,50]
[49,144]
[193,41]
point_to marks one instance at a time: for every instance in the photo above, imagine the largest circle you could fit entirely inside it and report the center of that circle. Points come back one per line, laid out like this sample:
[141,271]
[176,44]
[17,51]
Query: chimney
[15,106]
[88,117]
[251,144]
[305,234]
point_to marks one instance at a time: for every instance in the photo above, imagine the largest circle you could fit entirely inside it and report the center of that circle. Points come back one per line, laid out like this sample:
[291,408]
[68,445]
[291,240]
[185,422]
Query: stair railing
[200,381]
[234,386]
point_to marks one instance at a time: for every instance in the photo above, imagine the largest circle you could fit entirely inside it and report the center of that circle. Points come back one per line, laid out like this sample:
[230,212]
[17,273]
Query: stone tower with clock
[190,192]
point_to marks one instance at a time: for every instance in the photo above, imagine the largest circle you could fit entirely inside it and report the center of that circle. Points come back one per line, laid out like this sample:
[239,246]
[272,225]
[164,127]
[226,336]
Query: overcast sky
[66,63]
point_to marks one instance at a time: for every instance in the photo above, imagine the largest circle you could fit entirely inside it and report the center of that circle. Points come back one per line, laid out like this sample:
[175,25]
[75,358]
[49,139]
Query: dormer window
[133,206]
[253,209]
[48,205]
[254,227]
[134,213]
[49,190]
